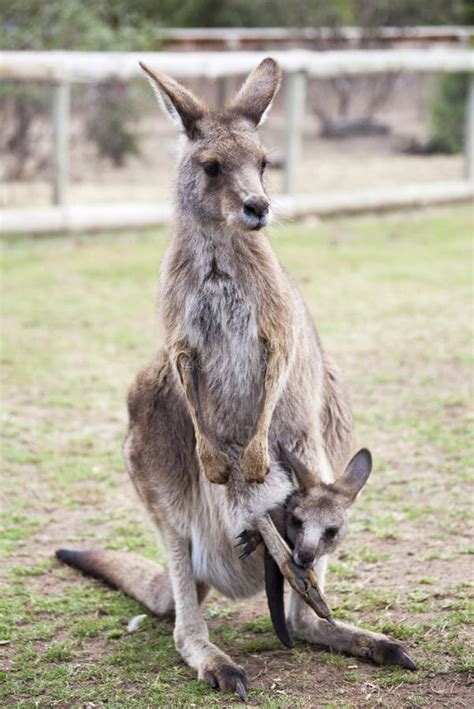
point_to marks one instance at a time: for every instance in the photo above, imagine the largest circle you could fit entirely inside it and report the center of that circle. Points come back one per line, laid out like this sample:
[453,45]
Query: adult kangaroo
[243,376]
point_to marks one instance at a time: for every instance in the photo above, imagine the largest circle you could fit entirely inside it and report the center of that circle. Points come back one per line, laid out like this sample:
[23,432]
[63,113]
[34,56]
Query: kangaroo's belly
[219,566]
[221,514]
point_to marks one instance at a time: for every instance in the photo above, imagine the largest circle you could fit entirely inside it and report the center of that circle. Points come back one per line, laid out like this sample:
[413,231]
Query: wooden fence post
[61,109]
[469,138]
[295,109]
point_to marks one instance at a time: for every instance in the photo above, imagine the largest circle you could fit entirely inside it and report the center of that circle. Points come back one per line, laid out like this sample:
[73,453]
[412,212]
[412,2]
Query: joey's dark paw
[249,541]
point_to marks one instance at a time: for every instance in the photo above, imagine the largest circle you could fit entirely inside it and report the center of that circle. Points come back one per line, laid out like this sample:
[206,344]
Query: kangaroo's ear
[177,102]
[305,477]
[258,91]
[357,473]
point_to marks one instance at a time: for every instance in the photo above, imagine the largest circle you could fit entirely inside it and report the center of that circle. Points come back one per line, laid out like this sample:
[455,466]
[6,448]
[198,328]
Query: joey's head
[222,162]
[317,513]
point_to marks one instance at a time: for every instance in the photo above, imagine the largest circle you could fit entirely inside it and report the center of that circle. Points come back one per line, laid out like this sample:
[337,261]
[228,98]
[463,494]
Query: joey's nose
[256,206]
[305,557]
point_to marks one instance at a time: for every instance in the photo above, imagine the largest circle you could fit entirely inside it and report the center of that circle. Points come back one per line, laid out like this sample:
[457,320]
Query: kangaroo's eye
[296,522]
[212,168]
[331,532]
[263,165]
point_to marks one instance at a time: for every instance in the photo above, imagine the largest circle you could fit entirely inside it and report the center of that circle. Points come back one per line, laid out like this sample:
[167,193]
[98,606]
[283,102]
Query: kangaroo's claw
[227,678]
[241,690]
[385,651]
[408,663]
[246,551]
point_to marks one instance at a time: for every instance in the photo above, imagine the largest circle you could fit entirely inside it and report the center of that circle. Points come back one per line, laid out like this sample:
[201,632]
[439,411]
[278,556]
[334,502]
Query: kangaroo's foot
[255,461]
[213,666]
[191,634]
[354,641]
[215,463]
[221,673]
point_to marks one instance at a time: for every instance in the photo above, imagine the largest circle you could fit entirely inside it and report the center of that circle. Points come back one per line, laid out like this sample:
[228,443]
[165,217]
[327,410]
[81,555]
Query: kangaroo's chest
[222,327]
[220,311]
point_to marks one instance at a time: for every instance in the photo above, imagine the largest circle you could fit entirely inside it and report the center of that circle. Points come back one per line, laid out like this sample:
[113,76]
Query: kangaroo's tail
[136,576]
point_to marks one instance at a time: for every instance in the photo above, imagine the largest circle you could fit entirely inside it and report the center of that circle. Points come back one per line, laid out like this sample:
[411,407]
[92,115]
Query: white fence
[231,38]
[63,68]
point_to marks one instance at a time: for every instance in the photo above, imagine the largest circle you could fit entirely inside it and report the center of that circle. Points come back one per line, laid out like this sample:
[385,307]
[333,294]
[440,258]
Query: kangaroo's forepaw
[228,678]
[215,463]
[255,461]
[249,541]
[388,652]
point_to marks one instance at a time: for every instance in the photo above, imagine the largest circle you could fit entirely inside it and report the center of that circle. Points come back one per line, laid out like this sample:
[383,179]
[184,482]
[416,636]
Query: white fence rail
[97,66]
[312,37]
[62,68]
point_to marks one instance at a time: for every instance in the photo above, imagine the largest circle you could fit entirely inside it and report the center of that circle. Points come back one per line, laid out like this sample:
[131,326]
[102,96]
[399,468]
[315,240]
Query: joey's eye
[212,168]
[296,522]
[331,532]
[263,165]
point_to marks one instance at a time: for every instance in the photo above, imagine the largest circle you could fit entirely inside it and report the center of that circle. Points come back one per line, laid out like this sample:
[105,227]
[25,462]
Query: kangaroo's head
[222,162]
[317,514]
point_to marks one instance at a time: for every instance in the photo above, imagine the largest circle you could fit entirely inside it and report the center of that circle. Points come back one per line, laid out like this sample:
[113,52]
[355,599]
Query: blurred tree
[69,24]
[126,25]
[304,13]
[74,24]
[121,24]
[448,116]
[110,119]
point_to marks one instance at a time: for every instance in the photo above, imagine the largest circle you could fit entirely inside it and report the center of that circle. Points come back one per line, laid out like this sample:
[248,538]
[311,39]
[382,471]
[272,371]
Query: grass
[391,297]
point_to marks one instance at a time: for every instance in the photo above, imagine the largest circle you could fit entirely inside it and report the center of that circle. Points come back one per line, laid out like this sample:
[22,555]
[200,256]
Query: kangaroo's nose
[256,206]
[305,557]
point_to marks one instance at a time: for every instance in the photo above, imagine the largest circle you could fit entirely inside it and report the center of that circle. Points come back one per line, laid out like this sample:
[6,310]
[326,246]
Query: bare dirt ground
[391,298]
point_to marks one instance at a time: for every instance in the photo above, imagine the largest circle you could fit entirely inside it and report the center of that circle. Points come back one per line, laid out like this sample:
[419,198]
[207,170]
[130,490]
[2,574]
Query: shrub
[449,114]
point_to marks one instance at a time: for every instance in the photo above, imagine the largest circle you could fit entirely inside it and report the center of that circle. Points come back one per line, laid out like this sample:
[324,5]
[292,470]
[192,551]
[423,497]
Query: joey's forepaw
[388,652]
[249,541]
[227,678]
[255,461]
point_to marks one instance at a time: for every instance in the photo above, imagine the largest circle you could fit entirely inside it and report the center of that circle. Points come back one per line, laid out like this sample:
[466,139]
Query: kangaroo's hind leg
[191,633]
[161,459]
[341,636]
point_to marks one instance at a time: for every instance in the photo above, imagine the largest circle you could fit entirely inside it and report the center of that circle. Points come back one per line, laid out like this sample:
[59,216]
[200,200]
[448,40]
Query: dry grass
[391,298]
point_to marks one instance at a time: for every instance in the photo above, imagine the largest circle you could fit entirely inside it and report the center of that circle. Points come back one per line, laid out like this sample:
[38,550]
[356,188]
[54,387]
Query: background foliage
[121,25]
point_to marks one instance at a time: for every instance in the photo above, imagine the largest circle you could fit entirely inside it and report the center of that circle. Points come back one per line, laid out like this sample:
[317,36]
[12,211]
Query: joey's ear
[305,477]
[258,91]
[177,102]
[357,472]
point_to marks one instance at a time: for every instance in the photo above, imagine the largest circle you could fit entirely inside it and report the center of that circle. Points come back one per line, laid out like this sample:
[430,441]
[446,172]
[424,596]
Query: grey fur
[230,309]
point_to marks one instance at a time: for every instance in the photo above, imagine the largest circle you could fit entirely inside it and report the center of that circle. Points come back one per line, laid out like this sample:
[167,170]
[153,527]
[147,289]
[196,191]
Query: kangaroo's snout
[255,206]
[256,211]
[304,557]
